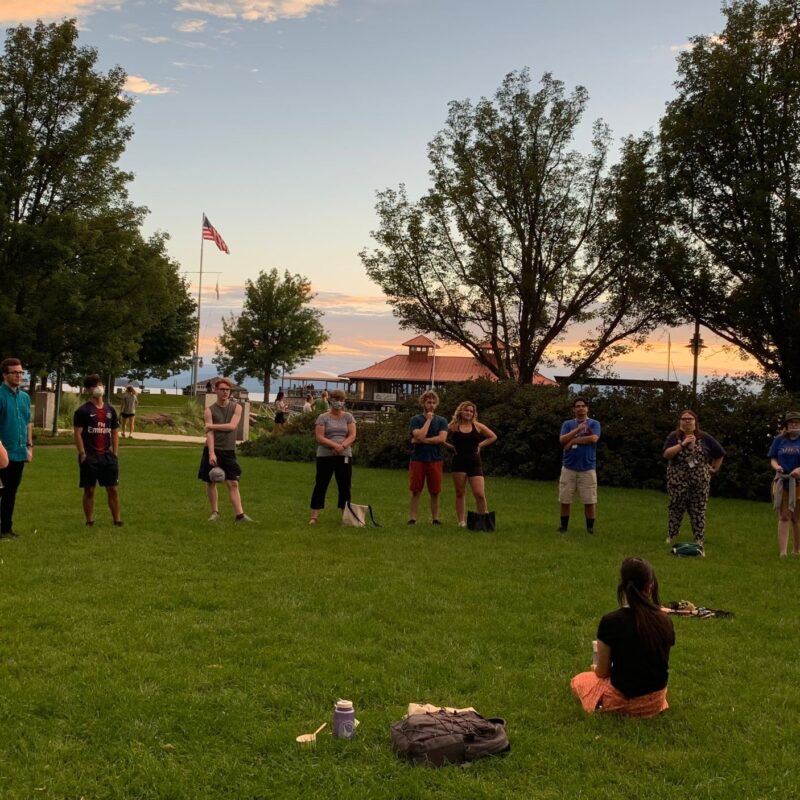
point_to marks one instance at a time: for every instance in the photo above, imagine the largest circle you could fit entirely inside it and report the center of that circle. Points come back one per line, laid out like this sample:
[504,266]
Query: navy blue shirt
[427,452]
[786,452]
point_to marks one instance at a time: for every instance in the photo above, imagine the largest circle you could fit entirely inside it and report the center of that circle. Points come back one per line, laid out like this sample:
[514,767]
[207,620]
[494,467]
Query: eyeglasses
[15,372]
[687,419]
[223,388]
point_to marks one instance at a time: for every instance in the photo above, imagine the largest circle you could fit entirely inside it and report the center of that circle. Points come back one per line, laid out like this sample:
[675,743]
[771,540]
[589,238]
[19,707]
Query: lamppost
[695,345]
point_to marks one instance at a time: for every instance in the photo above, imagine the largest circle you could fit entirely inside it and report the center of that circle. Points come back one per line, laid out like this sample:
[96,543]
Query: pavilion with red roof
[410,375]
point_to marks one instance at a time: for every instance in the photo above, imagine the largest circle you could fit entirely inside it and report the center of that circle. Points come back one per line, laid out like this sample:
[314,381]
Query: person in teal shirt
[16,430]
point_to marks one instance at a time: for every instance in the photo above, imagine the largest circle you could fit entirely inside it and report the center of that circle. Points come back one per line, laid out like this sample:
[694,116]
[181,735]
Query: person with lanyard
[784,455]
[221,422]
[16,434]
[428,433]
[96,432]
[578,440]
[693,456]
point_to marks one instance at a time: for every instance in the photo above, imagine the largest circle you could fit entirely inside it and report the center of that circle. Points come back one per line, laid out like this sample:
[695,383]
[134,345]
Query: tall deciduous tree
[80,285]
[730,161]
[519,240]
[276,330]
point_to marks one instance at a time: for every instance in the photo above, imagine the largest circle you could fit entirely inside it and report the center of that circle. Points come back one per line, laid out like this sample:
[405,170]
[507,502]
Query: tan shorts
[583,483]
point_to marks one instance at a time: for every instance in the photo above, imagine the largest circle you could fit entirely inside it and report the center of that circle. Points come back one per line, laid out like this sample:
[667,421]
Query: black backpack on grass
[449,737]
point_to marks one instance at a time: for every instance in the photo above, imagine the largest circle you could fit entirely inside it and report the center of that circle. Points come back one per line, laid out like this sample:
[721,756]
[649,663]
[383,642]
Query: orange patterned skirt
[597,694]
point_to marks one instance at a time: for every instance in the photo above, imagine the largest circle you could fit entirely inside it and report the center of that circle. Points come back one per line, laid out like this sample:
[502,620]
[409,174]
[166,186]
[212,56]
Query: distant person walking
[281,413]
[693,456]
[96,433]
[323,401]
[128,413]
[308,406]
[16,434]
[578,439]
[221,421]
[468,437]
[784,455]
[335,432]
[428,434]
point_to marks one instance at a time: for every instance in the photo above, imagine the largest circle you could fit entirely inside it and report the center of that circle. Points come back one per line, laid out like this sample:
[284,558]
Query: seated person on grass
[633,644]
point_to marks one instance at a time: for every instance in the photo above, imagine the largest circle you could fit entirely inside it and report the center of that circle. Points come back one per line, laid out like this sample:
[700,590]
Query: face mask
[337,405]
[98,391]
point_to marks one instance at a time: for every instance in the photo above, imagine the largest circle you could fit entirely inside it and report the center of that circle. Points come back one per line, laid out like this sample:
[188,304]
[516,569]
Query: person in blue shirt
[784,455]
[578,472]
[16,432]
[428,434]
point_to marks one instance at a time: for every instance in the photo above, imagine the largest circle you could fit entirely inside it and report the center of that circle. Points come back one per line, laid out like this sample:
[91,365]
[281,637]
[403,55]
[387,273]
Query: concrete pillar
[44,410]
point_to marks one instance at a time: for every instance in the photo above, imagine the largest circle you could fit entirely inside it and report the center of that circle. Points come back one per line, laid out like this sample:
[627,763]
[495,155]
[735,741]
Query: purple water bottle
[344,717]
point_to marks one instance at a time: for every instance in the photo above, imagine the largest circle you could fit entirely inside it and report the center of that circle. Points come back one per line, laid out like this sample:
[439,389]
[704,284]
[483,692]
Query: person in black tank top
[467,437]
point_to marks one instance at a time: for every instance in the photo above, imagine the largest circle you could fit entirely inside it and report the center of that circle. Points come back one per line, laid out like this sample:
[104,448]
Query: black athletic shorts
[102,469]
[469,464]
[226,459]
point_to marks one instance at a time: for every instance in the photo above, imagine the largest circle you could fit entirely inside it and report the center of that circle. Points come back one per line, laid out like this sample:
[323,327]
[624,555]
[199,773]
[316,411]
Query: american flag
[210,232]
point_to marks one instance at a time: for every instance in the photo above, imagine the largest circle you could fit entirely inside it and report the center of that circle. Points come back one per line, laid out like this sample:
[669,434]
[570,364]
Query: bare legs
[477,486]
[414,506]
[113,502]
[788,520]
[233,495]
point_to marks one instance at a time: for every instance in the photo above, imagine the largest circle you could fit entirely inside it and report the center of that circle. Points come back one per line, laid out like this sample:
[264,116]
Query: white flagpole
[196,359]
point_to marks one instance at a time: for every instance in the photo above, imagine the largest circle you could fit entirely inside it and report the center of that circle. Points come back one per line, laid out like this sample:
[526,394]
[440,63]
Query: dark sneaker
[411,522]
[9,535]
[561,530]
[436,522]
[89,523]
[117,523]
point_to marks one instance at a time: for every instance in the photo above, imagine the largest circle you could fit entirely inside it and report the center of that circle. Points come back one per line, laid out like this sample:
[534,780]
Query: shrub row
[635,423]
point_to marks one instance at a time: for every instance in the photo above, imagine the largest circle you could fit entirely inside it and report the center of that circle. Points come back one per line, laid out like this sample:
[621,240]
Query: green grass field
[178,659]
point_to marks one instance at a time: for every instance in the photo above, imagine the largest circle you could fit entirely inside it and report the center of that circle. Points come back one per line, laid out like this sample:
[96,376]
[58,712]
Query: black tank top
[466,444]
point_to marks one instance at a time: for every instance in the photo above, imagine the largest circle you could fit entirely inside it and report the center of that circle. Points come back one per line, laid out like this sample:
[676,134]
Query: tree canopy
[276,330]
[82,288]
[522,240]
[730,170]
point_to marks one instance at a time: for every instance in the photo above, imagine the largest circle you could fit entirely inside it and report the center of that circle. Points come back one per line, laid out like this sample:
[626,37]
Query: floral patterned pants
[688,494]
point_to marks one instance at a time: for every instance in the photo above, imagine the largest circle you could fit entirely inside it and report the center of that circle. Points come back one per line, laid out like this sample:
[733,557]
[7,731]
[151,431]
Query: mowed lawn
[175,658]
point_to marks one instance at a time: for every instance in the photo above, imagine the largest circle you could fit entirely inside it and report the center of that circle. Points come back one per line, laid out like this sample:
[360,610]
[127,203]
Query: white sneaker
[462,524]
[214,516]
[243,518]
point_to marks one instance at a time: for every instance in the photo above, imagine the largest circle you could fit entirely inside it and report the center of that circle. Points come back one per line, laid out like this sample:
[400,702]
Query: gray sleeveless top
[223,440]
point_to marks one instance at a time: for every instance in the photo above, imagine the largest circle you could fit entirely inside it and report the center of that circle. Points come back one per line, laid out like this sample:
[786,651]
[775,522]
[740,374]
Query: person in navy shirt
[784,455]
[96,432]
[428,434]
[578,472]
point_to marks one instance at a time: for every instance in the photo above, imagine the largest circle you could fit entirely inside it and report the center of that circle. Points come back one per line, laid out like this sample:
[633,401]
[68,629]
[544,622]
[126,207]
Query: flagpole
[196,359]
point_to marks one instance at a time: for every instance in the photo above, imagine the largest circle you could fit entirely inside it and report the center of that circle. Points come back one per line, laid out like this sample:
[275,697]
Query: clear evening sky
[281,118]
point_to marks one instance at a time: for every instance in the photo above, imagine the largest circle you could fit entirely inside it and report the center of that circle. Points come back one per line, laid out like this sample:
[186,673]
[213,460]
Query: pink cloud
[30,10]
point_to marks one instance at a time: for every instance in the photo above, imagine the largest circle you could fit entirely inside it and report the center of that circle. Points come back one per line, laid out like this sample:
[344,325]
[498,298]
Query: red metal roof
[420,341]
[449,369]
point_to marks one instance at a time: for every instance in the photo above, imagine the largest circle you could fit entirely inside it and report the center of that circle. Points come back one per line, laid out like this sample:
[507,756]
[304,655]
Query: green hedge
[635,423]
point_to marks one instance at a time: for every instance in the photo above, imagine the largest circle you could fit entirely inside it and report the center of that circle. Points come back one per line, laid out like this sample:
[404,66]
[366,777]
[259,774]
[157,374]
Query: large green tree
[521,241]
[276,329]
[81,287]
[730,164]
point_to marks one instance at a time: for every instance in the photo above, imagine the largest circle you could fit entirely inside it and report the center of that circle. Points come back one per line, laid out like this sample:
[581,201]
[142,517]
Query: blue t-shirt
[786,452]
[427,452]
[15,415]
[581,457]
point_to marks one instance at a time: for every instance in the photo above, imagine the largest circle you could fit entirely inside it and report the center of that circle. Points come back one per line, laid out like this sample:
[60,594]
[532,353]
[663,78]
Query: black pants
[11,477]
[327,466]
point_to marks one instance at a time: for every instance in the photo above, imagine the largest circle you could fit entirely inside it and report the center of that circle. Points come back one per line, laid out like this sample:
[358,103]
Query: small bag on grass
[358,516]
[688,549]
[480,522]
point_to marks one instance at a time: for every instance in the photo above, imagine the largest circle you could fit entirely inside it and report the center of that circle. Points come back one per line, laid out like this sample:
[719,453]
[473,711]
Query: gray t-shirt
[129,403]
[336,431]
[222,415]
